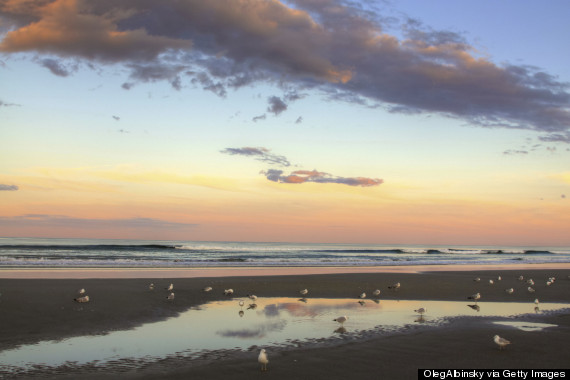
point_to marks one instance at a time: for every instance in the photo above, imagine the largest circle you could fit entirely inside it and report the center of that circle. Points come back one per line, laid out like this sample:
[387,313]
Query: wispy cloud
[297,176]
[330,45]
[302,176]
[62,221]
[8,187]
[260,154]
[4,104]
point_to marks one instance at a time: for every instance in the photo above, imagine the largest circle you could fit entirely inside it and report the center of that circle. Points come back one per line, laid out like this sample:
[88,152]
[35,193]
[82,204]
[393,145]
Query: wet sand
[33,310]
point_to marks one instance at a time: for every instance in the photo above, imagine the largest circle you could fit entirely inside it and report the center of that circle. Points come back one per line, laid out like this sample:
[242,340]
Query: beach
[39,309]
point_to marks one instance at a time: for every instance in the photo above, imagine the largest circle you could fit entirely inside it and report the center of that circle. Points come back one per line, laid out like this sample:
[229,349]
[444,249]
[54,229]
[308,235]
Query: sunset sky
[389,122]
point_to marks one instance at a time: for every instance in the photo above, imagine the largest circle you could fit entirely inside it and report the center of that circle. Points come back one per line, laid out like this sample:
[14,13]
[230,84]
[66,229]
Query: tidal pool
[225,325]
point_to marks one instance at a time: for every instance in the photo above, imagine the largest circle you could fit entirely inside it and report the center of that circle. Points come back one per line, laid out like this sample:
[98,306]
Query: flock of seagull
[263,357]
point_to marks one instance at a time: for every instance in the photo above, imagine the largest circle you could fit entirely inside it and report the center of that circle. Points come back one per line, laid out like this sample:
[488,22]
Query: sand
[33,310]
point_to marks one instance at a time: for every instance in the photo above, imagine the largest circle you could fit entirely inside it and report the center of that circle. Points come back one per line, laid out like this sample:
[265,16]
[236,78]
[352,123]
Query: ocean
[56,253]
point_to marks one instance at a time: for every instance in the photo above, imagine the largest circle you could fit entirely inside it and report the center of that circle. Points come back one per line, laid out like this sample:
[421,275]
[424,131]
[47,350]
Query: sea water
[35,253]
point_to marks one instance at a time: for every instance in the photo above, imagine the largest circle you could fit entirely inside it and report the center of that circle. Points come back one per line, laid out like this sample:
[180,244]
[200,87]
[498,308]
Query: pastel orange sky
[292,122]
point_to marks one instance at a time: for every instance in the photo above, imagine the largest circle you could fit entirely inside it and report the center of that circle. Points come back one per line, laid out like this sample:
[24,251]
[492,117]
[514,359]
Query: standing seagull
[376,293]
[475,297]
[363,295]
[82,299]
[207,289]
[341,320]
[170,296]
[262,359]
[395,286]
[510,290]
[81,292]
[170,287]
[304,292]
[502,342]
[421,311]
[151,286]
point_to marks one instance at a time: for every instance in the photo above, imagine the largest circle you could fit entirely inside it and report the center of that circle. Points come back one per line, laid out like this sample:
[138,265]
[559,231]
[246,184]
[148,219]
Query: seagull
[502,342]
[491,282]
[170,296]
[396,286]
[81,291]
[341,320]
[252,297]
[530,290]
[207,289]
[228,292]
[363,295]
[510,290]
[262,359]
[477,279]
[521,278]
[536,301]
[241,303]
[376,293]
[530,281]
[548,283]
[474,297]
[151,286]
[82,299]
[304,292]
[170,288]
[499,278]
[421,311]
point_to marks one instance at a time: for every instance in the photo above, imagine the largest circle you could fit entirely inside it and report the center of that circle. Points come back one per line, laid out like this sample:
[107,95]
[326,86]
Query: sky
[373,122]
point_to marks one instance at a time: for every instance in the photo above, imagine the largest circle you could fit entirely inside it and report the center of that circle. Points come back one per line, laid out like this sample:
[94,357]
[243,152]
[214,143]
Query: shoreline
[199,272]
[40,309]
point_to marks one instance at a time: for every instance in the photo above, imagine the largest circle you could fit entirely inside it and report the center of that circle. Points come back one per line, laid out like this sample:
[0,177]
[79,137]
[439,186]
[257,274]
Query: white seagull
[499,278]
[170,287]
[304,292]
[207,289]
[510,290]
[252,297]
[363,295]
[474,297]
[228,292]
[491,282]
[151,286]
[521,278]
[82,299]
[341,320]
[394,286]
[536,301]
[262,359]
[170,296]
[376,293]
[530,290]
[502,342]
[477,279]
[81,291]
[530,281]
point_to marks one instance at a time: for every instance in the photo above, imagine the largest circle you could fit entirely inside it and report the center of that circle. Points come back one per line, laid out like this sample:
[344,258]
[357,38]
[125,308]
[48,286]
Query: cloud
[512,152]
[8,187]
[333,46]
[260,154]
[61,221]
[298,176]
[56,67]
[302,176]
[117,118]
[276,105]
[258,118]
[4,104]
[299,120]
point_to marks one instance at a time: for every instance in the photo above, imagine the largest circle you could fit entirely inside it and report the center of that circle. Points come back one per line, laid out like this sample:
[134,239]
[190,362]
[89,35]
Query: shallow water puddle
[526,326]
[274,321]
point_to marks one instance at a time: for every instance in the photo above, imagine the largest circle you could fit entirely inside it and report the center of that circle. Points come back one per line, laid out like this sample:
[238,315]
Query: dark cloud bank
[328,45]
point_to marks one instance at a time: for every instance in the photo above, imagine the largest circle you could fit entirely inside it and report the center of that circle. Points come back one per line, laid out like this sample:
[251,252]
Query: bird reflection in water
[303,300]
[340,330]
[475,307]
